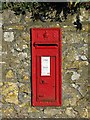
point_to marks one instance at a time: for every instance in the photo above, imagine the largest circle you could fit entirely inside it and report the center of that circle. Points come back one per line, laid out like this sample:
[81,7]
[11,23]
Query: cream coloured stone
[8,36]
[75,76]
[77,57]
[74,86]
[1,83]
[25,46]
[83,57]
[84,113]
[23,55]
[70,112]
[58,25]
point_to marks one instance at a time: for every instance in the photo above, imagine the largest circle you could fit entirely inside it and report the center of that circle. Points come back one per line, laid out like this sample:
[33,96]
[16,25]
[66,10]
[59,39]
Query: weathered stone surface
[25,87]
[52,112]
[75,76]
[25,36]
[8,111]
[83,110]
[11,27]
[10,92]
[16,68]
[23,97]
[32,109]
[27,17]
[83,88]
[84,113]
[12,98]
[10,74]
[22,55]
[78,37]
[1,84]
[83,64]
[72,101]
[8,36]
[71,65]
[70,112]
[6,16]
[71,94]
[25,77]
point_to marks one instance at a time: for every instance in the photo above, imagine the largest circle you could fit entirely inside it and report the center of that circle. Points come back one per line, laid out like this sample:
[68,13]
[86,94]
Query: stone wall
[15,86]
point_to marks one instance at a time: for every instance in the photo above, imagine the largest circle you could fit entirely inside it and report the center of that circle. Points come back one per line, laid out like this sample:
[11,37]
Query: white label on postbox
[45,66]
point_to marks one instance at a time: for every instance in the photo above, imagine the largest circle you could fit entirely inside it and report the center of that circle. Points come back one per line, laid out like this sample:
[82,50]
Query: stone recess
[15,87]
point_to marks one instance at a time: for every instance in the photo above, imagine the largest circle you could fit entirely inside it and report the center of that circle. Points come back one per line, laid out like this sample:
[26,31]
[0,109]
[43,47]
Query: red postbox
[46,67]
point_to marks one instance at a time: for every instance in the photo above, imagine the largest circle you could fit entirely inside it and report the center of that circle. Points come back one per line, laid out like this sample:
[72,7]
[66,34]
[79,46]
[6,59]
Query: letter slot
[48,44]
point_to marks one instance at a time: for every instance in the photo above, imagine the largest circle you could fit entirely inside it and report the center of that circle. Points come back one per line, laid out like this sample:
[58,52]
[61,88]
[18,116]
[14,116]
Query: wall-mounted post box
[46,66]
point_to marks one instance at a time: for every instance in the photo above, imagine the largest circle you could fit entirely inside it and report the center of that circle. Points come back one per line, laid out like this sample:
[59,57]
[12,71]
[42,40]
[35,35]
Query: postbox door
[46,78]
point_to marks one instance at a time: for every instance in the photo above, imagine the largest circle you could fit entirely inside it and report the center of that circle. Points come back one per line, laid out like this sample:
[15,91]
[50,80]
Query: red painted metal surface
[46,67]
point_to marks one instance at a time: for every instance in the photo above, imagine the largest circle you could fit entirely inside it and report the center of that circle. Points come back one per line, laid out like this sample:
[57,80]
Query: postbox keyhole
[42,81]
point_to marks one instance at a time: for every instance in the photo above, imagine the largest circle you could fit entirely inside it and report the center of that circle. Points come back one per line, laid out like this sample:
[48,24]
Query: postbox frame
[34,101]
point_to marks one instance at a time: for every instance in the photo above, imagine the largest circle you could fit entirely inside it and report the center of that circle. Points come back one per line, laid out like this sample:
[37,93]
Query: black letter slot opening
[45,44]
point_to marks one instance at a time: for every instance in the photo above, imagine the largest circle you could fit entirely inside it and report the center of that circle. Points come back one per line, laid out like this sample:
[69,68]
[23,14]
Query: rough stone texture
[8,36]
[16,68]
[10,92]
